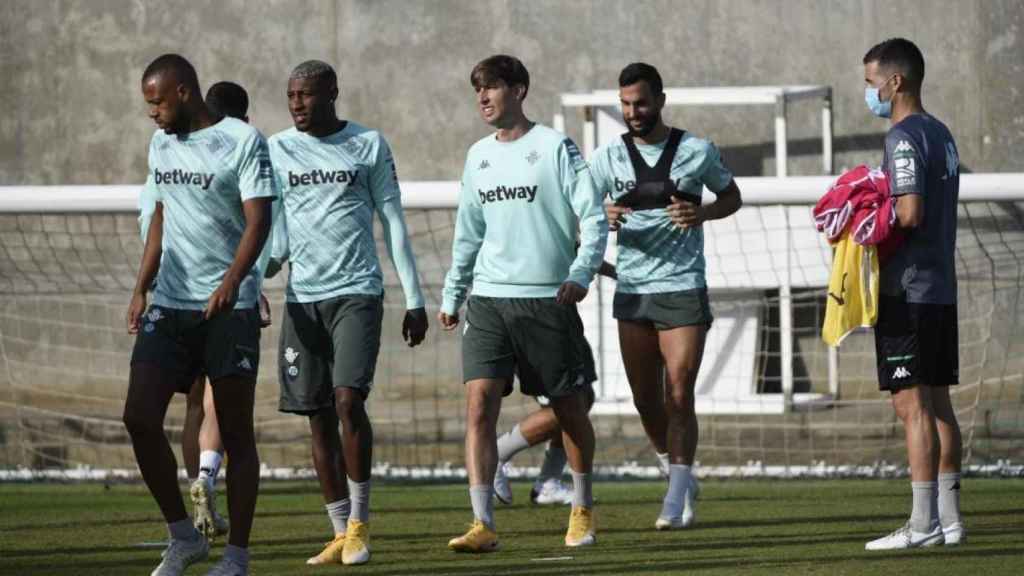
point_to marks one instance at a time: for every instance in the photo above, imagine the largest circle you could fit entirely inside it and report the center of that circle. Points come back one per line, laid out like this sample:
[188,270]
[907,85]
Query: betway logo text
[508,193]
[322,177]
[630,185]
[181,177]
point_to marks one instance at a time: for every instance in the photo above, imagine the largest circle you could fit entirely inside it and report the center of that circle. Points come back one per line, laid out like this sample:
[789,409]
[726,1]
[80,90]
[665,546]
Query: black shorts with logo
[665,310]
[185,344]
[916,344]
[326,345]
[537,339]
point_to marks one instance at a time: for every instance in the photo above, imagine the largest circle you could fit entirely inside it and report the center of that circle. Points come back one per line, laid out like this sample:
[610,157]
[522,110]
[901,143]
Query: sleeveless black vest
[654,185]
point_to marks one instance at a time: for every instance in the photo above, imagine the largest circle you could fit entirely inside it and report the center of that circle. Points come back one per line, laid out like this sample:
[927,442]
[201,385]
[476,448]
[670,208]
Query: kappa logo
[532,157]
[290,355]
[484,165]
[901,372]
[903,146]
[154,315]
[245,364]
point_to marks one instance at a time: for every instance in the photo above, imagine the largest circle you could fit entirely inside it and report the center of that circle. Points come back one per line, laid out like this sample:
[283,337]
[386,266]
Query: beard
[647,125]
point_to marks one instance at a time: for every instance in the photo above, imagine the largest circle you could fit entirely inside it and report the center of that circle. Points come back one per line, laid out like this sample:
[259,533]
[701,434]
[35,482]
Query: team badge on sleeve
[903,160]
[266,169]
[575,158]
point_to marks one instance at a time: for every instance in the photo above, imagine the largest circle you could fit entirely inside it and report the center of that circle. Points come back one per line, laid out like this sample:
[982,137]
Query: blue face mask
[875,104]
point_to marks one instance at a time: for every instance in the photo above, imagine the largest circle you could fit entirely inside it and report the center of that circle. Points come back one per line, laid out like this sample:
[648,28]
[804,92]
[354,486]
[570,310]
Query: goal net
[772,398]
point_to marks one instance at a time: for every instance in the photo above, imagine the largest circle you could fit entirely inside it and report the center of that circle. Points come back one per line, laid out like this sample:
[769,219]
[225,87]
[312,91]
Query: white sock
[338,513]
[663,462]
[209,465]
[582,490]
[949,498]
[924,514]
[482,499]
[359,493]
[510,444]
[678,483]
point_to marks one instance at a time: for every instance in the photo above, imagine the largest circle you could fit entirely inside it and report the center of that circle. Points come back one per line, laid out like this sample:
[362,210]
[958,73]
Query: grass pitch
[744,527]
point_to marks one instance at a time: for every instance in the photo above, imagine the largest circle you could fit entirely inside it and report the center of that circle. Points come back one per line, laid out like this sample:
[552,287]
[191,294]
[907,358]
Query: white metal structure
[768,244]
[778,96]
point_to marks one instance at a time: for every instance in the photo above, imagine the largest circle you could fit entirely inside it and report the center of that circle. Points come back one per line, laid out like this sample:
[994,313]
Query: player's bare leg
[483,403]
[329,463]
[538,426]
[192,428]
[328,460]
[639,344]
[234,398]
[578,439]
[211,451]
[682,349]
[149,393]
[950,455]
[913,406]
[357,447]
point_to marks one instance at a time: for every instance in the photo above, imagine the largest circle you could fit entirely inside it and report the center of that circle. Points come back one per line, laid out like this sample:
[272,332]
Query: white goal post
[769,245]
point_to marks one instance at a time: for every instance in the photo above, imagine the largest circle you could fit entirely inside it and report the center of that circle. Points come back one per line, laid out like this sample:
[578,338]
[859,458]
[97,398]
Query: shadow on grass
[593,562]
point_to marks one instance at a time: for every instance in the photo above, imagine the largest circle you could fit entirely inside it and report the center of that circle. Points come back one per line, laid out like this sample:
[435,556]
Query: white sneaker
[689,513]
[502,488]
[955,534]
[552,491]
[690,503]
[228,568]
[180,554]
[905,537]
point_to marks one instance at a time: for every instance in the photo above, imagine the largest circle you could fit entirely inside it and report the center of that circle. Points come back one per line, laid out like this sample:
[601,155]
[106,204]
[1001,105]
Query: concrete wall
[72,111]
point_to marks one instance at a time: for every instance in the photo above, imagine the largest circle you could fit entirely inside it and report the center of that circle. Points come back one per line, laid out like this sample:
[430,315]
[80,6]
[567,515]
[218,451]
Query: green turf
[744,527]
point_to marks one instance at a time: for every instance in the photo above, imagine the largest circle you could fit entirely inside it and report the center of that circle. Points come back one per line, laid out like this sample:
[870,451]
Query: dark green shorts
[326,345]
[666,310]
[535,338]
[183,343]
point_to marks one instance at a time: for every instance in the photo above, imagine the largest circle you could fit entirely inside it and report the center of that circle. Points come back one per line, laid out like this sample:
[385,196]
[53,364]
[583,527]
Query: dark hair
[319,71]
[638,71]
[175,64]
[900,55]
[228,99]
[500,67]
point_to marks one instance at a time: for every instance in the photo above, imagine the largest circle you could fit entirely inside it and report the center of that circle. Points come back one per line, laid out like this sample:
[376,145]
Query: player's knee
[646,404]
[238,440]
[349,405]
[680,401]
[478,417]
[140,424]
[910,407]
